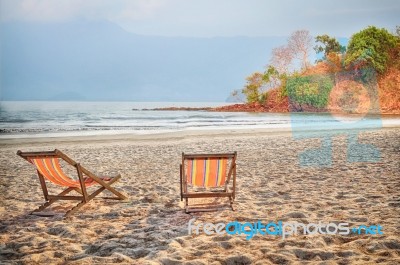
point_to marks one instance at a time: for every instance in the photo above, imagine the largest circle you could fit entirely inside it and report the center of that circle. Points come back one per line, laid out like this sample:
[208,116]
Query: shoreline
[179,135]
[356,122]
[158,137]
[259,108]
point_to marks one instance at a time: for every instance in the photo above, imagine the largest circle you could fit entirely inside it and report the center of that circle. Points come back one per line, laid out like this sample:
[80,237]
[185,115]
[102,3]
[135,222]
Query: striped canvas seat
[206,172]
[50,168]
[201,174]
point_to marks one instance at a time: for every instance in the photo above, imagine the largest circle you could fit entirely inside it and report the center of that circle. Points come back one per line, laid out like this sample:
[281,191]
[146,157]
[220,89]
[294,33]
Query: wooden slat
[82,182]
[43,154]
[19,152]
[74,209]
[234,182]
[206,195]
[207,208]
[181,180]
[95,193]
[43,185]
[223,155]
[44,214]
[49,202]
[55,197]
[66,158]
[103,183]
[231,169]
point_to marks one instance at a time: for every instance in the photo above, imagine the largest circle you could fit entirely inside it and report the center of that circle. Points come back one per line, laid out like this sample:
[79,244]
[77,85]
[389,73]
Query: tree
[281,59]
[334,62]
[328,45]
[271,77]
[236,96]
[333,52]
[309,90]
[398,31]
[253,86]
[274,79]
[300,43]
[370,47]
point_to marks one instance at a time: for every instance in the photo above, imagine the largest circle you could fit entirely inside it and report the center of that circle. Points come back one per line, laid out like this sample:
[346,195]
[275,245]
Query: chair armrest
[181,180]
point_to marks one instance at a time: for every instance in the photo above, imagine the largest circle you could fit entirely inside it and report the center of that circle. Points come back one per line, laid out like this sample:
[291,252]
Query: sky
[168,50]
[213,18]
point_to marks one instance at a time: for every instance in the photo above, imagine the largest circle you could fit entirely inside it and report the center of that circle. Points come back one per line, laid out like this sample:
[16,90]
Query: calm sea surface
[41,119]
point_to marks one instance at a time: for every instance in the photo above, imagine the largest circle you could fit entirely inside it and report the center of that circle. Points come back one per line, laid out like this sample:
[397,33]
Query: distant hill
[99,60]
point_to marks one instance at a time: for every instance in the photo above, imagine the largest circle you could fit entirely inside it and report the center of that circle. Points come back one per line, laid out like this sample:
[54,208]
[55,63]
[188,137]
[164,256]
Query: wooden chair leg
[95,193]
[83,202]
[74,209]
[43,206]
[51,201]
[78,191]
[186,205]
[119,195]
[231,203]
[106,185]
[89,198]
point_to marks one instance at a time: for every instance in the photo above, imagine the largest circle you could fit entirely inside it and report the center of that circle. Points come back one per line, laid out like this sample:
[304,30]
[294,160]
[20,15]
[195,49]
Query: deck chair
[48,167]
[207,176]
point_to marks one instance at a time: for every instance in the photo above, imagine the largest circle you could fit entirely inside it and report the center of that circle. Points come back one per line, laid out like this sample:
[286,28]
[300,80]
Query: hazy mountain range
[98,60]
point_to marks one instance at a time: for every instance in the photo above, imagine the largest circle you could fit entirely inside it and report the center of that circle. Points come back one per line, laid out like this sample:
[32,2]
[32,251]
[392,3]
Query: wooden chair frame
[81,172]
[226,192]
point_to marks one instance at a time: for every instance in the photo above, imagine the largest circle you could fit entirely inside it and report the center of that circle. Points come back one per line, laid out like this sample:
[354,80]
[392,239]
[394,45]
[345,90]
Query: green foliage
[370,48]
[311,90]
[264,97]
[282,89]
[257,82]
[328,45]
[253,87]
[270,73]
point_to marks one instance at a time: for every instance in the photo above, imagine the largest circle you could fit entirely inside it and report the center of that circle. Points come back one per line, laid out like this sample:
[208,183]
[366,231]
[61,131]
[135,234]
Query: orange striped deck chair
[207,176]
[48,168]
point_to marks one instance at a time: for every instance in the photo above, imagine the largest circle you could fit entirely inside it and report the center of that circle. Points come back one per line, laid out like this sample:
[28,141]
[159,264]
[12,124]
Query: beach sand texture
[152,228]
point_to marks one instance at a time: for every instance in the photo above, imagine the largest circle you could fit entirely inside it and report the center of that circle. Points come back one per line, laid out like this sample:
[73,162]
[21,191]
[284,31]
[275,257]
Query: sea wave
[49,117]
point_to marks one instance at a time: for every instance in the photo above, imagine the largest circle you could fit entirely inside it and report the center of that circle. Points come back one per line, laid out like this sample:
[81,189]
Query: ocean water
[42,119]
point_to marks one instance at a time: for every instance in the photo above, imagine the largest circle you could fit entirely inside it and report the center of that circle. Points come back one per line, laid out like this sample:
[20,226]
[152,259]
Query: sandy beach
[152,228]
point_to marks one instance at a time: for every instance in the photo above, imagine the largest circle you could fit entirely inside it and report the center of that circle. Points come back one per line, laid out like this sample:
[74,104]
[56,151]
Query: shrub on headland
[372,56]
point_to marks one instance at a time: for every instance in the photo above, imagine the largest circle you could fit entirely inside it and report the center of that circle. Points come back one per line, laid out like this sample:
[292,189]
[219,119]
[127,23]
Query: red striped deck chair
[48,168]
[207,176]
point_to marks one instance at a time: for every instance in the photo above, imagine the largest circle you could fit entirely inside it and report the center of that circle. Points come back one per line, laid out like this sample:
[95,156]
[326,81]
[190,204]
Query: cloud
[51,10]
[37,10]
[135,10]
[208,18]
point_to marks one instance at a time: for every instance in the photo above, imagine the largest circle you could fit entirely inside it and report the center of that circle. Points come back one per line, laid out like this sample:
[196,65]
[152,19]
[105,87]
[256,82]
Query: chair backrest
[208,170]
[48,165]
[50,168]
